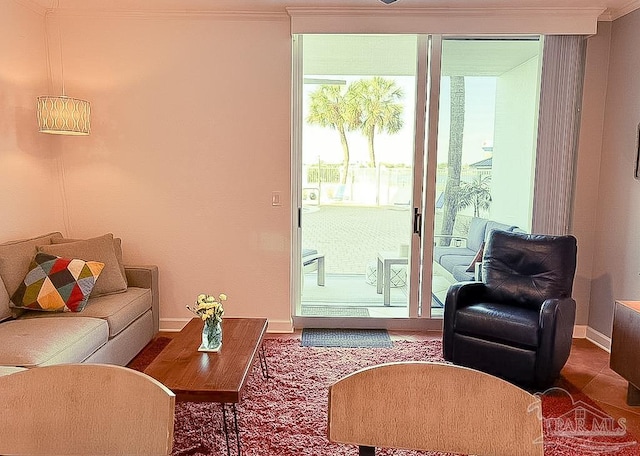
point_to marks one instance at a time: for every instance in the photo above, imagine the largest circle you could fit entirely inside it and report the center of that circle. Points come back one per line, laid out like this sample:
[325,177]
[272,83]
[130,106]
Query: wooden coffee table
[196,376]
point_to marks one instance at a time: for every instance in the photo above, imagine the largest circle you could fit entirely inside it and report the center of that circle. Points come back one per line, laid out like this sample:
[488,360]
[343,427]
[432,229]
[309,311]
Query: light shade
[64,115]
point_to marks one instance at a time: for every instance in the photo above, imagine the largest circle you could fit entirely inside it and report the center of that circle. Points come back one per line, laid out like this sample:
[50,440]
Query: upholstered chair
[518,322]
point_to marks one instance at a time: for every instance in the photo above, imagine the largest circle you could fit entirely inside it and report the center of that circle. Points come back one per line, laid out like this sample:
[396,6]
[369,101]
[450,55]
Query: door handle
[417,221]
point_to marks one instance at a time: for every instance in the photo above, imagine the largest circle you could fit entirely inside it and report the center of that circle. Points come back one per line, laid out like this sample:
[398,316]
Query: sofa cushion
[461,274]
[439,252]
[450,261]
[5,309]
[476,234]
[119,310]
[117,245]
[99,249]
[476,259]
[57,284]
[491,226]
[8,370]
[15,257]
[51,340]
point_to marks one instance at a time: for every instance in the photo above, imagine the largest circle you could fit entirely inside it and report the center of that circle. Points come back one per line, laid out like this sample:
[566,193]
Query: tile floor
[587,369]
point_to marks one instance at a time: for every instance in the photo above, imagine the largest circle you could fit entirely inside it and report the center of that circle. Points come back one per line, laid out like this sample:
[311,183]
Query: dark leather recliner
[518,322]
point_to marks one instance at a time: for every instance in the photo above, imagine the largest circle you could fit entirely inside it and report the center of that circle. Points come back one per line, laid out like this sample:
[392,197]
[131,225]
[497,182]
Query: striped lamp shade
[64,115]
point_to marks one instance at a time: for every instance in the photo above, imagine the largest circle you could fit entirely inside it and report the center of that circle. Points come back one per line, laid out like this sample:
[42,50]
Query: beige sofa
[111,329]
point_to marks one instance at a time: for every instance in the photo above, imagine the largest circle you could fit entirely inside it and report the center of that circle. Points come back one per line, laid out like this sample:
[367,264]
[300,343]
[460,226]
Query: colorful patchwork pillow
[57,284]
[102,249]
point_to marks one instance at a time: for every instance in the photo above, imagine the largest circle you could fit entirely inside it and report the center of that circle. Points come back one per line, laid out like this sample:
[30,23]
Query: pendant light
[63,115]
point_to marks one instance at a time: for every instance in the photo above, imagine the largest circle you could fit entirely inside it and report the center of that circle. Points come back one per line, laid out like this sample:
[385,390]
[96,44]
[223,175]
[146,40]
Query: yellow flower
[208,307]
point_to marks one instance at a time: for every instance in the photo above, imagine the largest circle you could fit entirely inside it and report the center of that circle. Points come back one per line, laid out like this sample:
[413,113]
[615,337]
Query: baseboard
[173,324]
[176,324]
[599,339]
[580,331]
[280,326]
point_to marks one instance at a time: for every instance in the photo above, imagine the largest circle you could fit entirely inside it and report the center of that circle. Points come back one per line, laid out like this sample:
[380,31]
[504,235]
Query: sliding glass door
[357,174]
[486,149]
[399,142]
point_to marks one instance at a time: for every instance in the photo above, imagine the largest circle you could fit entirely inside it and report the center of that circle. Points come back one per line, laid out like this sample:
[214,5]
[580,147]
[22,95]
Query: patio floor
[344,295]
[350,238]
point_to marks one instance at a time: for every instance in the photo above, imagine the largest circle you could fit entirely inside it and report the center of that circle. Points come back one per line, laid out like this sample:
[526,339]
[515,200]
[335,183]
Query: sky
[324,143]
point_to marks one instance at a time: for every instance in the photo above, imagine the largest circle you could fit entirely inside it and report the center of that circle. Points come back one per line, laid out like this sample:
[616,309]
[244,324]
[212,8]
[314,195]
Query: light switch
[275,199]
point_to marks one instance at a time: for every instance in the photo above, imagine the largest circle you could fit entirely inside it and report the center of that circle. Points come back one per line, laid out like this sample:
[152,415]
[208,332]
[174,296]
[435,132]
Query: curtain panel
[558,128]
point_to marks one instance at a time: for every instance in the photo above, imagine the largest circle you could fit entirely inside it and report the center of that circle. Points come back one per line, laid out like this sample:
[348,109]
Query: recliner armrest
[146,276]
[557,317]
[459,295]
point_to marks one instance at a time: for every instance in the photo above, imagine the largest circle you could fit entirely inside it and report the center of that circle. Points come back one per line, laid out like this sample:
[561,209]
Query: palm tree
[452,191]
[477,194]
[329,107]
[377,100]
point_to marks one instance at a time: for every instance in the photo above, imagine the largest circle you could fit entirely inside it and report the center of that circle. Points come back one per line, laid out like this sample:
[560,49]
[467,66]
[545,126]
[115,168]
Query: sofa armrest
[455,241]
[146,276]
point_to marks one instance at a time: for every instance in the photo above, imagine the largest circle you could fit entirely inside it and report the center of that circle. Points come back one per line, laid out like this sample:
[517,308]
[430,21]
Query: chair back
[527,269]
[434,407]
[94,409]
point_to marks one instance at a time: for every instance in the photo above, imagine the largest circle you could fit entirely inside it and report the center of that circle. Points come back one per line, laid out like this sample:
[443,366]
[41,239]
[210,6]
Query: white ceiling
[612,8]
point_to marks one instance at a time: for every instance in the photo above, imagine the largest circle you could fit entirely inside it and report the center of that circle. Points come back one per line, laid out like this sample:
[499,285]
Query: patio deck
[344,292]
[350,238]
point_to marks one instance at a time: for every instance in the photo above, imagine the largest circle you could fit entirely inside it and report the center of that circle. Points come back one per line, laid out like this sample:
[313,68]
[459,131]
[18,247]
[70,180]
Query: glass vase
[211,336]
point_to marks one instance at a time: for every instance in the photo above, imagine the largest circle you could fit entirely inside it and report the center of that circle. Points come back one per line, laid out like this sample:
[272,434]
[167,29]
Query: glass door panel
[358,120]
[486,144]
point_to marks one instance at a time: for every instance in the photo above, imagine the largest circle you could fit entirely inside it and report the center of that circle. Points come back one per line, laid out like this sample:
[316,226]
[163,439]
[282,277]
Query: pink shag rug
[286,415]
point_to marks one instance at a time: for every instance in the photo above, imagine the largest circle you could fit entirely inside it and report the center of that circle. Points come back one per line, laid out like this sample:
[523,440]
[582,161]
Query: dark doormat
[346,338]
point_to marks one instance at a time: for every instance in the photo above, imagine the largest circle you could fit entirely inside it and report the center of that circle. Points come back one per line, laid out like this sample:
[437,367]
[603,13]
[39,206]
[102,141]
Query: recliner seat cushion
[499,322]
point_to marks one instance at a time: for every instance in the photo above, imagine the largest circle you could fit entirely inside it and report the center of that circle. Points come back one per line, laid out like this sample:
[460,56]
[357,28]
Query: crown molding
[173,14]
[447,20]
[32,6]
[624,10]
[606,16]
[444,11]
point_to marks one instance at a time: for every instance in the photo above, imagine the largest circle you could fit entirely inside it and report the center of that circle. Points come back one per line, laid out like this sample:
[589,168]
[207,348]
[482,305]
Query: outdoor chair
[311,257]
[434,407]
[518,322]
[95,409]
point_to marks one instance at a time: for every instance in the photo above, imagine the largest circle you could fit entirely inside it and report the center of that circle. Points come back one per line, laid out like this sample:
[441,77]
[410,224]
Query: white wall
[616,260]
[514,145]
[190,135]
[29,161]
[587,177]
